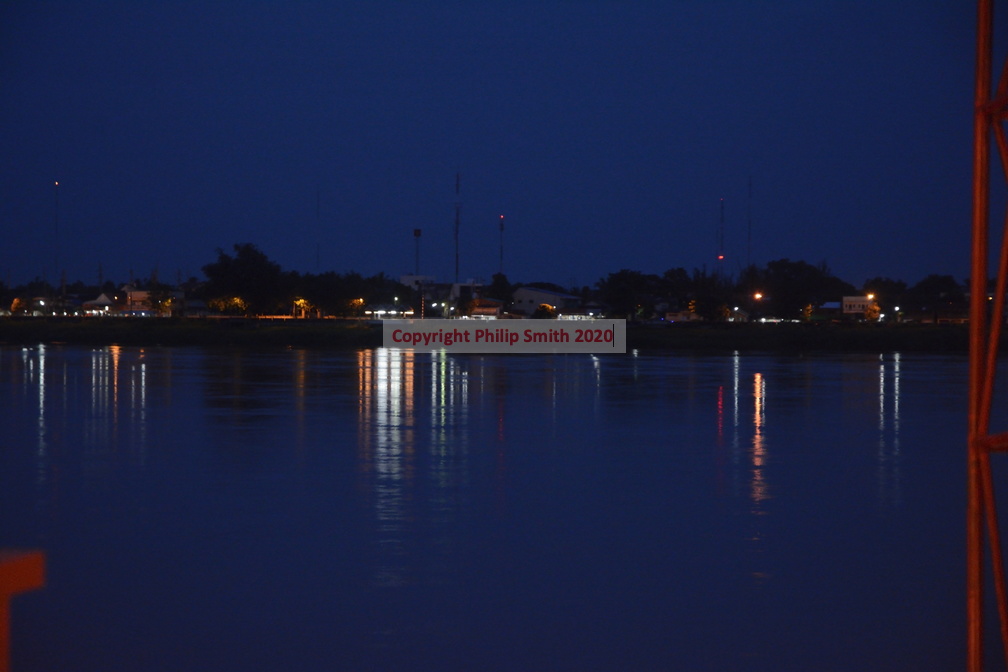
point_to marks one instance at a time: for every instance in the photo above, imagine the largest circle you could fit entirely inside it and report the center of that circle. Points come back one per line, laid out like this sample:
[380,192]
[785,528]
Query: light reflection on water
[386,449]
[387,426]
[889,430]
[572,486]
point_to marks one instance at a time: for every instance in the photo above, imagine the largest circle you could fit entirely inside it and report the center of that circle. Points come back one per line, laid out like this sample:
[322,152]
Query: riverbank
[354,334]
[801,337]
[190,331]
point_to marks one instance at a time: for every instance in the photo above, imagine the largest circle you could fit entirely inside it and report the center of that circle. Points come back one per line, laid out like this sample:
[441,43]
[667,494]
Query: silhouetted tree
[710,295]
[544,312]
[676,288]
[160,296]
[250,275]
[793,286]
[629,294]
[936,297]
[888,293]
[499,289]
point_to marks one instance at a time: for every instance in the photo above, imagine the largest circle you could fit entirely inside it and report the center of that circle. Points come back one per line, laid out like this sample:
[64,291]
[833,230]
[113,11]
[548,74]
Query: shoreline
[356,334]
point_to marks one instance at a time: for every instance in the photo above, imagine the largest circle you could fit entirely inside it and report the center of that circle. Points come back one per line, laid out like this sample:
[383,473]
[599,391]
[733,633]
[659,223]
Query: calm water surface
[384,510]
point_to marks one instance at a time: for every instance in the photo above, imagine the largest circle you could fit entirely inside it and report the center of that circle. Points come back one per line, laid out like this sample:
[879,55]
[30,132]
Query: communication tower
[501,270]
[749,229]
[416,237]
[458,215]
[720,240]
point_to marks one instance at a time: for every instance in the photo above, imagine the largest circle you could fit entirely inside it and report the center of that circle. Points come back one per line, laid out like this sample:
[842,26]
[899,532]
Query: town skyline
[246,281]
[178,278]
[723,263]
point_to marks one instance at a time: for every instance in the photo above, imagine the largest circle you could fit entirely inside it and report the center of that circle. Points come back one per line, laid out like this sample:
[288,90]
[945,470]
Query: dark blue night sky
[607,133]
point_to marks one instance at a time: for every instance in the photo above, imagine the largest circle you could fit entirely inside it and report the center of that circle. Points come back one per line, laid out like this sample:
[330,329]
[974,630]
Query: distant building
[682,316]
[856,305]
[143,303]
[465,291]
[195,308]
[417,282]
[137,300]
[527,299]
[388,311]
[480,307]
[103,305]
[831,311]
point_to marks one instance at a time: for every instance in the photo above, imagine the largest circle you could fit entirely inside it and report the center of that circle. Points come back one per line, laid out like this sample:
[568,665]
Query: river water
[208,509]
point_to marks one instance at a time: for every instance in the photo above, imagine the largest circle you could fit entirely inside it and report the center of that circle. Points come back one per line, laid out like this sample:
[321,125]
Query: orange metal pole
[997,559]
[20,571]
[978,341]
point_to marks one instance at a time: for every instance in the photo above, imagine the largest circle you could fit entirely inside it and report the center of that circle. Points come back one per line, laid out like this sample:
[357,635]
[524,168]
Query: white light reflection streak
[896,401]
[33,372]
[138,393]
[103,381]
[735,444]
[889,480]
[386,430]
[758,487]
[720,415]
[43,448]
[102,428]
[735,392]
[41,401]
[449,408]
[114,377]
[881,397]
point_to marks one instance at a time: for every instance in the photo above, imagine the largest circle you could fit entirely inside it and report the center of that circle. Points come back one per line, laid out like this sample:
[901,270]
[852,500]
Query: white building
[526,300]
[856,305]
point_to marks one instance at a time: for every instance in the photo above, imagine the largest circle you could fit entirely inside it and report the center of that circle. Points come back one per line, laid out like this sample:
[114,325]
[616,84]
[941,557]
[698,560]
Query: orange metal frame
[20,571]
[990,112]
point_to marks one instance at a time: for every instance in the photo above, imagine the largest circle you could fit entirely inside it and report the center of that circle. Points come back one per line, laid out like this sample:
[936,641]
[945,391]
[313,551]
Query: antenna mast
[56,243]
[458,212]
[749,233]
[720,237]
[416,236]
[318,223]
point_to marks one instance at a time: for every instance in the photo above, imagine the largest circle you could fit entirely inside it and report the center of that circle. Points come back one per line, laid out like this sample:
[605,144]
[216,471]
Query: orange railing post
[20,571]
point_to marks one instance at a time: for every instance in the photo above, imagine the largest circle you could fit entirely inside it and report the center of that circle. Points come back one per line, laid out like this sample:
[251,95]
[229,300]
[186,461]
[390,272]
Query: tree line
[246,282]
[783,288]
